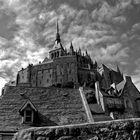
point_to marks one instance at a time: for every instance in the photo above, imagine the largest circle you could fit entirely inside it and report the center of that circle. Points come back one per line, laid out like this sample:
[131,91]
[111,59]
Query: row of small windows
[55,54]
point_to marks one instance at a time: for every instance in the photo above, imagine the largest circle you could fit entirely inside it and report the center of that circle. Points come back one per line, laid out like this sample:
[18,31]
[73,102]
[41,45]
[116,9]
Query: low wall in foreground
[113,130]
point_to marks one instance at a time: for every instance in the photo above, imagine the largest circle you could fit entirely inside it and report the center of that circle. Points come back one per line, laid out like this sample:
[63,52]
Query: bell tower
[57,50]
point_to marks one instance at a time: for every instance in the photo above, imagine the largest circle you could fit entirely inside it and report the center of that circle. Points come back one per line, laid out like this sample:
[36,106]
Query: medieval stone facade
[62,67]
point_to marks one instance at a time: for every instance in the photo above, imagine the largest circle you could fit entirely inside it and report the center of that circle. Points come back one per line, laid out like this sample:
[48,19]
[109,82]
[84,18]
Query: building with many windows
[62,67]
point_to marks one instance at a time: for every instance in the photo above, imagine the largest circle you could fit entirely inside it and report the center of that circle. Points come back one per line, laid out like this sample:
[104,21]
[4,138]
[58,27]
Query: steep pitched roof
[131,88]
[46,60]
[26,104]
[53,105]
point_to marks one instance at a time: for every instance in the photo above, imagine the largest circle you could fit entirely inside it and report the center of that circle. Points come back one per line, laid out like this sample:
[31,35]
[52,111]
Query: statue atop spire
[57,40]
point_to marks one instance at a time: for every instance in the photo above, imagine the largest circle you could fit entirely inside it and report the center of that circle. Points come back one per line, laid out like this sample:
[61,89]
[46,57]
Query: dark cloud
[108,29]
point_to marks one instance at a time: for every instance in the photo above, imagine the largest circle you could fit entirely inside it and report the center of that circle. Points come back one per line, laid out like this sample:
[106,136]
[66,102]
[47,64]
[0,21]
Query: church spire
[79,51]
[57,27]
[71,49]
[57,40]
[86,53]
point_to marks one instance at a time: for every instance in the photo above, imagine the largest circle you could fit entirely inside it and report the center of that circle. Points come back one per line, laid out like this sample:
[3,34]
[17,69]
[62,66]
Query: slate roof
[54,106]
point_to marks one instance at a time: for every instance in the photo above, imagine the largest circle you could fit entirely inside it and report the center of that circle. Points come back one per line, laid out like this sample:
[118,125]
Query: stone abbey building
[62,67]
[66,67]
[66,88]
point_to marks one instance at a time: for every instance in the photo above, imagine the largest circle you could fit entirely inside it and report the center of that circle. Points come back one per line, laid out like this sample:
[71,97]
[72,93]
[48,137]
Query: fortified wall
[113,130]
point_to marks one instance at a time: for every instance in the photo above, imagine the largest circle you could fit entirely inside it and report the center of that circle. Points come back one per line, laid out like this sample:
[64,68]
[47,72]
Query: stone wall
[58,71]
[23,76]
[113,130]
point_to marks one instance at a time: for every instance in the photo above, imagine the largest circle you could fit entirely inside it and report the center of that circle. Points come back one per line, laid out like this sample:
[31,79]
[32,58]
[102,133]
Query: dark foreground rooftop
[55,106]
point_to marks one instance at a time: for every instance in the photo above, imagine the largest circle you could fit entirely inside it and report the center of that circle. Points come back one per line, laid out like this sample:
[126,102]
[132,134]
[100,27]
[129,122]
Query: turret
[86,53]
[71,49]
[79,51]
[95,64]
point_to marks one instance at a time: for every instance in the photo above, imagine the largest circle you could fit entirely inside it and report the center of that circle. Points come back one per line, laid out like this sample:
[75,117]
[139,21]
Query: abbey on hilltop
[64,67]
[61,68]
[66,88]
[111,92]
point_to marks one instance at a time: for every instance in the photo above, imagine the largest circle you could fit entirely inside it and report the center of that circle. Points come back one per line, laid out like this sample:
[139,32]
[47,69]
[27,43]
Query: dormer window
[28,113]
[28,116]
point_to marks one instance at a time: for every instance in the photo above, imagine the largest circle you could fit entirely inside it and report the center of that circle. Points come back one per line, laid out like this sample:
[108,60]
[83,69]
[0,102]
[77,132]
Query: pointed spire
[57,27]
[118,69]
[86,53]
[71,45]
[95,64]
[71,49]
[105,67]
[79,51]
[57,40]
[66,51]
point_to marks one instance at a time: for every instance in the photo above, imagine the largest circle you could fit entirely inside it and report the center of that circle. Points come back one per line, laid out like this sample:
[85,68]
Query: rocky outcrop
[113,130]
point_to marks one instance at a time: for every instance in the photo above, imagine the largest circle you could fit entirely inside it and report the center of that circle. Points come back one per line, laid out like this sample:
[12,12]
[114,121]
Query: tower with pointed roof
[61,67]
[79,51]
[71,49]
[58,39]
[57,49]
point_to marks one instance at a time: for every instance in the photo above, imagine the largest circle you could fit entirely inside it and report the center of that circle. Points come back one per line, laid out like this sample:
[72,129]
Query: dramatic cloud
[108,29]
[85,3]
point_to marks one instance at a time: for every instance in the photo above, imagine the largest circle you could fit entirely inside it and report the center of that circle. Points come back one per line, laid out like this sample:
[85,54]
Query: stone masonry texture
[112,130]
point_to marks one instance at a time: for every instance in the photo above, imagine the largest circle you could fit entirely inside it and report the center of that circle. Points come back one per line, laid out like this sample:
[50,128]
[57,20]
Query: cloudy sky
[108,29]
